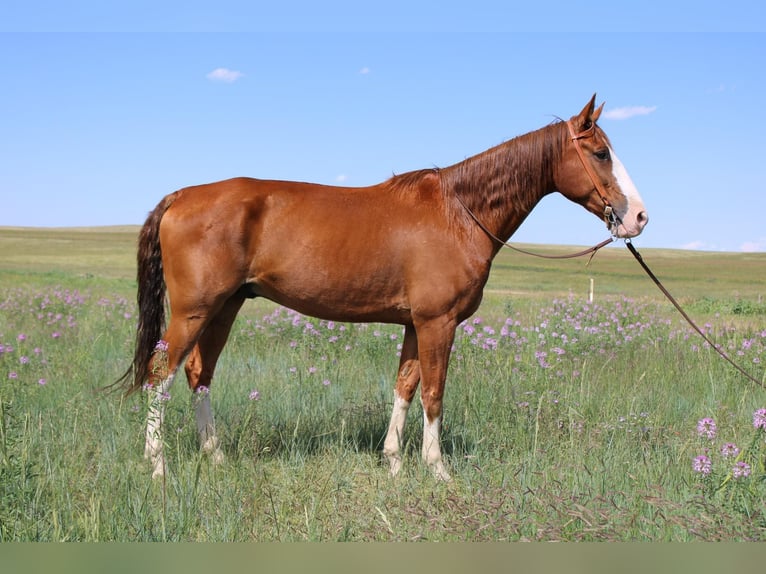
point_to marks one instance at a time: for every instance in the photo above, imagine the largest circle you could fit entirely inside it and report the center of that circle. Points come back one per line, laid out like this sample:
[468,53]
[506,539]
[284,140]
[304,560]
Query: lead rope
[611,218]
[592,251]
[689,320]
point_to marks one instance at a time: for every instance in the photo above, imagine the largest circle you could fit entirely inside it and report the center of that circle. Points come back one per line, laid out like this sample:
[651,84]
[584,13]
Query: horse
[414,250]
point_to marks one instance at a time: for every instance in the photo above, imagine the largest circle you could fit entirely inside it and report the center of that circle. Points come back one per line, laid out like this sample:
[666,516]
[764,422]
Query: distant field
[564,420]
[109,253]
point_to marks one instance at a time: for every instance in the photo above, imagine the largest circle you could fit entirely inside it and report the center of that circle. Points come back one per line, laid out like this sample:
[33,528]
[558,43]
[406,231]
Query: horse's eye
[602,155]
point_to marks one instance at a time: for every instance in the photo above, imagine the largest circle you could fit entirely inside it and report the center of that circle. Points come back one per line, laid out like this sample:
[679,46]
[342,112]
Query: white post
[590,292]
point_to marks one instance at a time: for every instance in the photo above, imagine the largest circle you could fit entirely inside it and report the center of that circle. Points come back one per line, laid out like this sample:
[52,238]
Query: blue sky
[106,107]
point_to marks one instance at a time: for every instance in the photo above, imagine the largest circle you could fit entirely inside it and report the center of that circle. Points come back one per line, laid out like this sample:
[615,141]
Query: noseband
[611,219]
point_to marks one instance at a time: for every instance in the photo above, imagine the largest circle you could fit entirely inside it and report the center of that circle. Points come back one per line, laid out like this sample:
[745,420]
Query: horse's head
[590,174]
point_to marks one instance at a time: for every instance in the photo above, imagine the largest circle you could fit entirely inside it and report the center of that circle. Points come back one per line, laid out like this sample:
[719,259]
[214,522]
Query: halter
[611,219]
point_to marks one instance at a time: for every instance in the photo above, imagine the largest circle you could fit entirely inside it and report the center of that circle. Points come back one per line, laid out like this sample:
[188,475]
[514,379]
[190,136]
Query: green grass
[595,443]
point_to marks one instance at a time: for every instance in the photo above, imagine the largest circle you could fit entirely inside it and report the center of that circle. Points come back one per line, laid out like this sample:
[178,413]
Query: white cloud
[702,246]
[341,178]
[753,246]
[364,71]
[224,75]
[628,112]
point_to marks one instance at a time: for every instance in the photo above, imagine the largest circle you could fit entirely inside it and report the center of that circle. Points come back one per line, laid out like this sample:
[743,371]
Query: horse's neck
[502,185]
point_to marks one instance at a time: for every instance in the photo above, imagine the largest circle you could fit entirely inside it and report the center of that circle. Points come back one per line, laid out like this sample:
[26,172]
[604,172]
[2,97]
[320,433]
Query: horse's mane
[516,170]
[410,180]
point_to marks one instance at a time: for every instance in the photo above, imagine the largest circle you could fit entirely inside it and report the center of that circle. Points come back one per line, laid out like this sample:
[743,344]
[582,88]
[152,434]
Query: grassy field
[564,420]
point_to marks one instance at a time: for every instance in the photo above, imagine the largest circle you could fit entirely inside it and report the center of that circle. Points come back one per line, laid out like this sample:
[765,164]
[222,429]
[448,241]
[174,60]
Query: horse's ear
[597,113]
[585,118]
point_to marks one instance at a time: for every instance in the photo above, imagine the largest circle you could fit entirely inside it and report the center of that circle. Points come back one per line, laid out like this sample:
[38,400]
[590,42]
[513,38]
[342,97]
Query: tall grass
[564,420]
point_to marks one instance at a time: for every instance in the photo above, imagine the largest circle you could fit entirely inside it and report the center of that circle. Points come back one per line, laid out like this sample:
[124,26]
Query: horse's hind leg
[176,343]
[406,383]
[199,371]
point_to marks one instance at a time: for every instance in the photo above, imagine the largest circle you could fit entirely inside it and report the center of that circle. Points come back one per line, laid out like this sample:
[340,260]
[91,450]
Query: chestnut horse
[414,250]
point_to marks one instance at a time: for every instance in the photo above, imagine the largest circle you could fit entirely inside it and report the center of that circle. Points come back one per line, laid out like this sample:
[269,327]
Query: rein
[685,315]
[612,219]
[496,239]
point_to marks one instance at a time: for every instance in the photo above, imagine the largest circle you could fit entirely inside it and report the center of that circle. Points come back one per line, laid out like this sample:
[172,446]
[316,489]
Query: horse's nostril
[642,218]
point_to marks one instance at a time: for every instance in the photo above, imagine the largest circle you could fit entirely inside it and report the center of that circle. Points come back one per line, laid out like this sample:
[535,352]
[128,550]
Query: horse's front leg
[434,345]
[406,383]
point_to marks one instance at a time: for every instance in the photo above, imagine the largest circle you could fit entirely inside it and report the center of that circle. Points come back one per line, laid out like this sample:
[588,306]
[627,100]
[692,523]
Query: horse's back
[334,252]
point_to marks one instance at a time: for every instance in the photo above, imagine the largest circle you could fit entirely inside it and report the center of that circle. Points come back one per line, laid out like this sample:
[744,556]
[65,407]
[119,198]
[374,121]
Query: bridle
[611,219]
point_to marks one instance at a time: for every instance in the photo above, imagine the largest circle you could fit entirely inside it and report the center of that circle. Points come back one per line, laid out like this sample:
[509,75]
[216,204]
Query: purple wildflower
[702,464]
[540,356]
[706,428]
[42,382]
[729,450]
[161,346]
[759,419]
[326,382]
[13,375]
[254,395]
[741,470]
[23,360]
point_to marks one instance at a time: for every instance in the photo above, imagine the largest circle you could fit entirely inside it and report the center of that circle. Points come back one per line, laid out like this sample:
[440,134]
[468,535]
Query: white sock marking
[203,414]
[392,444]
[153,449]
[432,454]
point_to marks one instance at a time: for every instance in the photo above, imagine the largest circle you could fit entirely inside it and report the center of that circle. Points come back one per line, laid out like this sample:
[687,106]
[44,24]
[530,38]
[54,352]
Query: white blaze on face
[634,219]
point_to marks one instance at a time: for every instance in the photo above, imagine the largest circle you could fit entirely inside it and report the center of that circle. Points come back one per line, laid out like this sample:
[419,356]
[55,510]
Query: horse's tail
[151,298]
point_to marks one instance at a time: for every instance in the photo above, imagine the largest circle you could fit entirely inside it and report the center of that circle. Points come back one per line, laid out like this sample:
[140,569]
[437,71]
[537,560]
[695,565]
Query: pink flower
[702,464]
[161,346]
[759,419]
[741,470]
[729,450]
[254,395]
[706,428]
